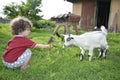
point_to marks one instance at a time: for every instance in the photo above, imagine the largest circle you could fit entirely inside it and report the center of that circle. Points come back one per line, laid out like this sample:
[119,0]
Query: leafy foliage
[30,9]
[45,24]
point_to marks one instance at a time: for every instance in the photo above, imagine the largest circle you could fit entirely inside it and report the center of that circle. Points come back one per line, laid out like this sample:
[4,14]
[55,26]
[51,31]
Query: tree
[30,9]
[11,11]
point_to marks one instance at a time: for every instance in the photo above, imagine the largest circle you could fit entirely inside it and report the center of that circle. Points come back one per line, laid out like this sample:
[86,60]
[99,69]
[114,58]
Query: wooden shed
[98,12]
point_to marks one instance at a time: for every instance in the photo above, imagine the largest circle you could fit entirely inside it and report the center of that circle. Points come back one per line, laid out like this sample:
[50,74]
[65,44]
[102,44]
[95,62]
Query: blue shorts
[20,61]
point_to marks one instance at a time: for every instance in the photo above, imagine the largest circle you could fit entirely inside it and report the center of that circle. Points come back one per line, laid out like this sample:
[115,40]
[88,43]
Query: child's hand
[43,46]
[49,47]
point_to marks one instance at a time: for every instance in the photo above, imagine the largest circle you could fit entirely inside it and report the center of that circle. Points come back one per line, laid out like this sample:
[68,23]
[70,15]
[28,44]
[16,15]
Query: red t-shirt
[16,46]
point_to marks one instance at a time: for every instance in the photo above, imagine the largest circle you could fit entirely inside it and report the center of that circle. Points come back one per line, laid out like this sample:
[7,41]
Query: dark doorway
[103,9]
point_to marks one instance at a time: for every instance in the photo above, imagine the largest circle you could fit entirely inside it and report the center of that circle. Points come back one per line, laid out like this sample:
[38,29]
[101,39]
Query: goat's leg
[82,54]
[90,54]
[100,53]
[104,53]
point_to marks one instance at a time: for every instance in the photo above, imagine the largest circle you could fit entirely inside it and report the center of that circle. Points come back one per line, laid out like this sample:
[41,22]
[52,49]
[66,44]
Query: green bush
[44,23]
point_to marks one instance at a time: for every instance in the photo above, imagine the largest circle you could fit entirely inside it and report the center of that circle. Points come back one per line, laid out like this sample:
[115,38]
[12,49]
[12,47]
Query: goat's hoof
[90,57]
[90,60]
[104,57]
[81,57]
[99,58]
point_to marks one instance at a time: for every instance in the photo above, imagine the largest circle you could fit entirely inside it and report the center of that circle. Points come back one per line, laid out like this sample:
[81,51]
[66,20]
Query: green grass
[62,64]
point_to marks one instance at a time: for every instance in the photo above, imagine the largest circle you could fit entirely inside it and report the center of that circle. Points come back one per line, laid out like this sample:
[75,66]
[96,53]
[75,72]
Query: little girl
[17,54]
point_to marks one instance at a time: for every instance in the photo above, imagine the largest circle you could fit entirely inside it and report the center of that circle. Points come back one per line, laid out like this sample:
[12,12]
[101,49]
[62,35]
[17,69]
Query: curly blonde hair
[19,24]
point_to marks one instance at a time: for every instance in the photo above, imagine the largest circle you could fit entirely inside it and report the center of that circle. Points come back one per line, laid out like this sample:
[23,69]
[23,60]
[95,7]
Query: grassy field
[62,63]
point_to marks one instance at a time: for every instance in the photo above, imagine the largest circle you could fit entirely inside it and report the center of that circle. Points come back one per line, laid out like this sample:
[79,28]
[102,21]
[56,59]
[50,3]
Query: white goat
[89,41]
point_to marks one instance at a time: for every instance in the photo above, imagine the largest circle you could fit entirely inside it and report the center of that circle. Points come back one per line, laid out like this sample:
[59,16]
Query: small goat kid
[89,41]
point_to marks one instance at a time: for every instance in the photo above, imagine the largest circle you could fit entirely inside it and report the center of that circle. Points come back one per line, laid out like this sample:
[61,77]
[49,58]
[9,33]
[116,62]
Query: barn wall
[88,9]
[114,16]
[85,9]
[114,19]
[77,8]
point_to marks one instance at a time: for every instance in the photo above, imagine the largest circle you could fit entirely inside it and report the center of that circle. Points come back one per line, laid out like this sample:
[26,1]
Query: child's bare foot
[24,67]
